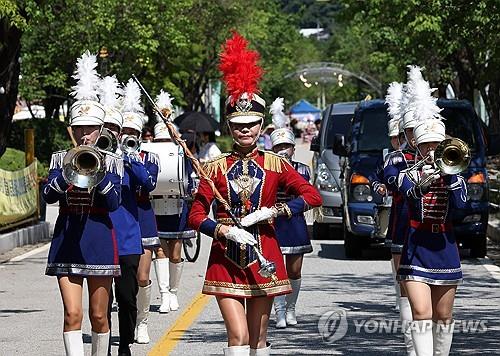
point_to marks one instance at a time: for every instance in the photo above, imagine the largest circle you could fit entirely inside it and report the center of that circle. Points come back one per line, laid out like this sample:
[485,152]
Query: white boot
[397,287]
[175,278]
[406,319]
[291,300]
[443,336]
[266,351]
[143,302]
[237,350]
[421,333]
[100,344]
[73,343]
[280,310]
[162,275]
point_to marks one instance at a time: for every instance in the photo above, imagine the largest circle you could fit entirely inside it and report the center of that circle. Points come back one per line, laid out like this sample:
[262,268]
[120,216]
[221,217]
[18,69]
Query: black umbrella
[196,121]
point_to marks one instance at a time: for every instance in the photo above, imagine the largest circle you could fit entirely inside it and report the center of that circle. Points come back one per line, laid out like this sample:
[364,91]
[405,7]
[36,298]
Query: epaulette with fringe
[219,163]
[114,164]
[273,162]
[56,161]
[153,158]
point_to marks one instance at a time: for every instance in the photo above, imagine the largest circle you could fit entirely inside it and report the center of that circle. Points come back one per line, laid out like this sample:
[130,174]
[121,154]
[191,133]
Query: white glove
[240,236]
[428,171]
[259,215]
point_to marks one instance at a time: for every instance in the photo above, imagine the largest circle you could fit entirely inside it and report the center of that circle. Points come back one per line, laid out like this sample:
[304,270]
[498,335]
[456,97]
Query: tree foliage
[456,42]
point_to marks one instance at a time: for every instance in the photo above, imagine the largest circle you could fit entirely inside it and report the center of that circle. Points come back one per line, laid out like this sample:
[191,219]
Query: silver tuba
[107,141]
[84,167]
[130,144]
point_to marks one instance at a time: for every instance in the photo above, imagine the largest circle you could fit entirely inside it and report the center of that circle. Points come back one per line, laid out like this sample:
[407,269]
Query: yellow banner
[18,194]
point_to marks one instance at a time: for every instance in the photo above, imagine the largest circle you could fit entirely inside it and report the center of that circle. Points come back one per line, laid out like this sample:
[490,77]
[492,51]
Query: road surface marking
[30,253]
[493,269]
[172,337]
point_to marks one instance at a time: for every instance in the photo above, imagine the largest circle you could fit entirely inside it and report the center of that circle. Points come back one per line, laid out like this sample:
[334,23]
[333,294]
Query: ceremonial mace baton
[267,268]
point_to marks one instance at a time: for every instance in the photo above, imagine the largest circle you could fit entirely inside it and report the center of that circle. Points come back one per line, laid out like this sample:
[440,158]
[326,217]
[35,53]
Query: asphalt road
[345,308]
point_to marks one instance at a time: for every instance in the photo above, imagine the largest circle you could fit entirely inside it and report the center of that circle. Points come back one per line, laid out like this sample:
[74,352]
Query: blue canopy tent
[303,110]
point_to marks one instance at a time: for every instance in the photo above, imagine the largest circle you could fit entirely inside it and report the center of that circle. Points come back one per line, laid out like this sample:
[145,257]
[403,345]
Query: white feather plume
[87,78]
[110,92]
[277,108]
[393,99]
[421,101]
[132,98]
[164,100]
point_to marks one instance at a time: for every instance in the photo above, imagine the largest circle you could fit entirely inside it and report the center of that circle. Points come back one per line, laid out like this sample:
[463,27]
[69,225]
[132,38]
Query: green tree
[13,21]
[456,42]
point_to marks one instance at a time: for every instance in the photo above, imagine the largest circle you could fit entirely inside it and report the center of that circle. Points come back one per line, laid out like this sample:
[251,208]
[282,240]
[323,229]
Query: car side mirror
[493,145]
[315,144]
[339,145]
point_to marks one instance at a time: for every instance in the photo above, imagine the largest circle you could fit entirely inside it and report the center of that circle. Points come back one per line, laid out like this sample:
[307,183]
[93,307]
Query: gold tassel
[214,166]
[273,162]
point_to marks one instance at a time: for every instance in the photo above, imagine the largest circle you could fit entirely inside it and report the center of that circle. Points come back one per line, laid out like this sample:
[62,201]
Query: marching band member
[248,180]
[398,220]
[84,244]
[291,232]
[125,219]
[171,219]
[150,240]
[379,186]
[430,263]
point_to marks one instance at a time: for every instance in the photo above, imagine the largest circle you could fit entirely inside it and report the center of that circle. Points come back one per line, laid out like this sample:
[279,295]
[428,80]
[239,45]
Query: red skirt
[233,272]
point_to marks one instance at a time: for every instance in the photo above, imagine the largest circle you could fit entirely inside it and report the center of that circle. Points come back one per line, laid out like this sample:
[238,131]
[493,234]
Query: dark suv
[362,151]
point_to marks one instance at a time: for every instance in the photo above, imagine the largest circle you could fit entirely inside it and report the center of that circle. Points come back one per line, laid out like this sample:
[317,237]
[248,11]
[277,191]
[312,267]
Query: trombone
[451,156]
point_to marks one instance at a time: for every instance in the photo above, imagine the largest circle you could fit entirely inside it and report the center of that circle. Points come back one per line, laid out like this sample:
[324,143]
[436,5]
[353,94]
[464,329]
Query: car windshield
[337,124]
[460,123]
[373,131]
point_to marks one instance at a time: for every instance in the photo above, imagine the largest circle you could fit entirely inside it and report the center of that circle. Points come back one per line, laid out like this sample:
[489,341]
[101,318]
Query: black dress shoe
[124,351]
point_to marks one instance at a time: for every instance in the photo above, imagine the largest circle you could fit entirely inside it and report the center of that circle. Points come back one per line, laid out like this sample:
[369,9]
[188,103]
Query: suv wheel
[478,246]
[321,231]
[353,245]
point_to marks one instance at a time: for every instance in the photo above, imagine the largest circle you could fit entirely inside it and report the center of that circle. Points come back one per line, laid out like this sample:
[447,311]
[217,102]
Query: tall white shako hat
[414,77]
[86,110]
[133,113]
[110,95]
[281,133]
[164,103]
[241,74]
[392,128]
[429,126]
[393,100]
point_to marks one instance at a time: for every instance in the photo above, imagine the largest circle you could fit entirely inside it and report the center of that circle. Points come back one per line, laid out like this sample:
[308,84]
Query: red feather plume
[239,67]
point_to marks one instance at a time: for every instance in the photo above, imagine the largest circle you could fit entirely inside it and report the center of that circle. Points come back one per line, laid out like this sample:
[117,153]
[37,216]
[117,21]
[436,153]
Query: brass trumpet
[107,141]
[130,144]
[451,156]
[84,167]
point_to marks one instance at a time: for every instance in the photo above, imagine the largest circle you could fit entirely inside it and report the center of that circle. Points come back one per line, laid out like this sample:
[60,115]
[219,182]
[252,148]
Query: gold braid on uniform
[274,162]
[217,230]
[217,164]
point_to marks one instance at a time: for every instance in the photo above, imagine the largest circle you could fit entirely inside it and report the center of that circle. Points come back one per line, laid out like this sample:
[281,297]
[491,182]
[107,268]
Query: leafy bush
[13,160]
[50,136]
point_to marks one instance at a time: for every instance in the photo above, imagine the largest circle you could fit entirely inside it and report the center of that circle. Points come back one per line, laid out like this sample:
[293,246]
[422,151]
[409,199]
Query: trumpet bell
[130,144]
[84,167]
[452,156]
[107,141]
